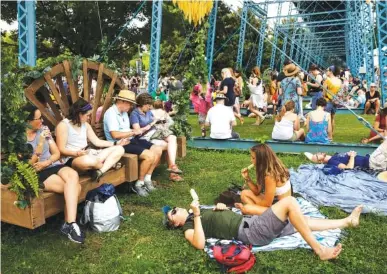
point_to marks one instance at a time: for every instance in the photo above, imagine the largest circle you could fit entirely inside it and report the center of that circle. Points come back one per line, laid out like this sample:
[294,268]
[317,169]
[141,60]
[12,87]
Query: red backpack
[234,257]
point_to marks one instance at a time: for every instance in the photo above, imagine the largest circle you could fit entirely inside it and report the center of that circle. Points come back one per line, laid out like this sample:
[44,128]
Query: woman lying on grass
[283,218]
[271,176]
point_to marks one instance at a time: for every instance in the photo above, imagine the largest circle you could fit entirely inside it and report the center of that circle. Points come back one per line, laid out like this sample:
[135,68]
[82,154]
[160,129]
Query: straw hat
[291,70]
[126,95]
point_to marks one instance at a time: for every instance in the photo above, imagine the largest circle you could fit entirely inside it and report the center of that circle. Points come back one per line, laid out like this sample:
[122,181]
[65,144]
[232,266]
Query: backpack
[234,257]
[102,209]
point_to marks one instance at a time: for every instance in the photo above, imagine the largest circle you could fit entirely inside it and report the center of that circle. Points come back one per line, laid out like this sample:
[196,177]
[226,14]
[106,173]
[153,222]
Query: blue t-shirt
[343,158]
[138,117]
[113,120]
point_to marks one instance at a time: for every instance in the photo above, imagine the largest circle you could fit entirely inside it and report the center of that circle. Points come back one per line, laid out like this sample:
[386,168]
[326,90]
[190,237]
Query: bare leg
[250,209]
[367,107]
[377,106]
[300,134]
[157,151]
[172,149]
[288,208]
[325,224]
[86,162]
[333,123]
[147,158]
[109,156]
[248,197]
[66,182]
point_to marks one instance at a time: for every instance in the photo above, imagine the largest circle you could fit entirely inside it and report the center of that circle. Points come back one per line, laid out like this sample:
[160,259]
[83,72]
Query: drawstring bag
[102,209]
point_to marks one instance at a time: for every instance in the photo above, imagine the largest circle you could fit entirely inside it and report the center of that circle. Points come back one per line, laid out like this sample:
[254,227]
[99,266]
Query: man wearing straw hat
[117,126]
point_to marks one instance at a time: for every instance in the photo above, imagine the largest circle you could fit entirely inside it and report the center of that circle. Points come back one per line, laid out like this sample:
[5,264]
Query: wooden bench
[49,204]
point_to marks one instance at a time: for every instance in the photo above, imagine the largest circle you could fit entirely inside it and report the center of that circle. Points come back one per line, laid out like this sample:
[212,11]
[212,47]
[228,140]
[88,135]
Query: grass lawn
[348,128]
[142,245]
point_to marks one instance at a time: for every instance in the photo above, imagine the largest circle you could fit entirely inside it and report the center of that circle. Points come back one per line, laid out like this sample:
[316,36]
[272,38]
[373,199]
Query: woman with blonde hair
[287,124]
[227,88]
[271,176]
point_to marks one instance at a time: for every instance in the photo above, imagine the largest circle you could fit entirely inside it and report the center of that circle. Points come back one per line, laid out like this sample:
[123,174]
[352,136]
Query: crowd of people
[144,132]
[283,95]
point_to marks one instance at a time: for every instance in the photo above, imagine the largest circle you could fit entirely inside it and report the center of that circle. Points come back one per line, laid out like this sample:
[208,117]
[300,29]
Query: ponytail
[281,114]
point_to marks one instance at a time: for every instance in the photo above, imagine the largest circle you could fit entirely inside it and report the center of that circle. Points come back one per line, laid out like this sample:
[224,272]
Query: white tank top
[75,141]
[283,130]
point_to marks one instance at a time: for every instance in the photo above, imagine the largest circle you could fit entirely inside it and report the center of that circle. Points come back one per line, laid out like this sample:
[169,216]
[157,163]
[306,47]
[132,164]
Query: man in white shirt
[117,126]
[221,119]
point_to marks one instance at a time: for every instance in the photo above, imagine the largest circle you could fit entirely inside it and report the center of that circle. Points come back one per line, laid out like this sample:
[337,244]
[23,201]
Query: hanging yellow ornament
[194,10]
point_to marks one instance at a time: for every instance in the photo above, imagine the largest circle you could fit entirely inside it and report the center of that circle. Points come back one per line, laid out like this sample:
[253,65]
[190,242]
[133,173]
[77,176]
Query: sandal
[175,177]
[364,141]
[203,132]
[174,169]
[96,175]
[117,165]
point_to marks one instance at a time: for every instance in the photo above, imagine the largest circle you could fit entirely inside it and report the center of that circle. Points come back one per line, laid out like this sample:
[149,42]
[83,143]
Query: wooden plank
[54,202]
[108,99]
[131,166]
[52,105]
[281,147]
[56,70]
[56,94]
[92,65]
[63,95]
[70,81]
[86,88]
[98,93]
[36,85]
[181,146]
[41,107]
[30,217]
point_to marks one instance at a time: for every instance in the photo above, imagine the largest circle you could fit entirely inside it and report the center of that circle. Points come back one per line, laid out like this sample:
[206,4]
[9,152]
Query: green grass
[348,128]
[142,245]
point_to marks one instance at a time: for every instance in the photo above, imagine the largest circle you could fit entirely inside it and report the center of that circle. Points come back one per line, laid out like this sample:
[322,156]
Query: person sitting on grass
[319,124]
[282,219]
[379,125]
[72,136]
[287,124]
[116,126]
[372,100]
[376,161]
[271,176]
[52,175]
[221,119]
[142,120]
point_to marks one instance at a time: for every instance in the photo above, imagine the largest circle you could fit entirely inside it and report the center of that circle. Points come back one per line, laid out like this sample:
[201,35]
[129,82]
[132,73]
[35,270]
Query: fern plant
[21,178]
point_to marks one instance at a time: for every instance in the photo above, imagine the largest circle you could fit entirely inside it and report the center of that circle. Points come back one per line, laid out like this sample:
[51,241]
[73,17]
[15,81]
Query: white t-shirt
[220,118]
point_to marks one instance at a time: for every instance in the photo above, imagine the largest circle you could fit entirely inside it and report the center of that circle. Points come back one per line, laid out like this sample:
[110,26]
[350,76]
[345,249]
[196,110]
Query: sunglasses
[174,210]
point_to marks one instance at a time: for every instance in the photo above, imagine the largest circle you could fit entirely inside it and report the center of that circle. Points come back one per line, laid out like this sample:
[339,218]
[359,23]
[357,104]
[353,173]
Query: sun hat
[126,95]
[291,70]
[373,85]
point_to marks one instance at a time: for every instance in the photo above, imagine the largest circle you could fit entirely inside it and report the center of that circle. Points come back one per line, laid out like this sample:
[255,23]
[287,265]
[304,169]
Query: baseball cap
[165,210]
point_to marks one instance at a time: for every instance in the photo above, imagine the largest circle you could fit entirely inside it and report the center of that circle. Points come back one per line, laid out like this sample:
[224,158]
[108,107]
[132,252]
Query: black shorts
[137,146]
[69,162]
[45,173]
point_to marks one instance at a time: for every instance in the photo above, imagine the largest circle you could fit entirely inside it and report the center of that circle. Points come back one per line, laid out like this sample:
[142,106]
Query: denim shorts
[330,107]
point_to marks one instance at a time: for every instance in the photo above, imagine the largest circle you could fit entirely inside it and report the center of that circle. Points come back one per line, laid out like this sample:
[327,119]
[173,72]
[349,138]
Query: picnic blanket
[345,190]
[327,238]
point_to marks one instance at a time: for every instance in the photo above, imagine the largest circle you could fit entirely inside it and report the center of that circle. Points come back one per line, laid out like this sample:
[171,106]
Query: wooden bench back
[48,87]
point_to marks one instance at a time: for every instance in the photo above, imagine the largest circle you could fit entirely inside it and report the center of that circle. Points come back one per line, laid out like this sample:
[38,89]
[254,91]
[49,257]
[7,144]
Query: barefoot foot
[353,219]
[329,253]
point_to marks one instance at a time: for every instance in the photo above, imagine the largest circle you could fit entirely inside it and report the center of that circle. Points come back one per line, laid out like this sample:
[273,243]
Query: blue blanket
[345,190]
[327,238]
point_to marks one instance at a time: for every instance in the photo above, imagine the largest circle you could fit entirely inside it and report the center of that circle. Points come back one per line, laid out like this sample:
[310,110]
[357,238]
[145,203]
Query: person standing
[290,87]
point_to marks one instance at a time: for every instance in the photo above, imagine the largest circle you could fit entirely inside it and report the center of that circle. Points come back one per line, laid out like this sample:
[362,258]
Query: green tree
[75,25]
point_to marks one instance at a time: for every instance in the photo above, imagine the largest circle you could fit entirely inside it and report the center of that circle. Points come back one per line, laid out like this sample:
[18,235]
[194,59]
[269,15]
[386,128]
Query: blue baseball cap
[165,210]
